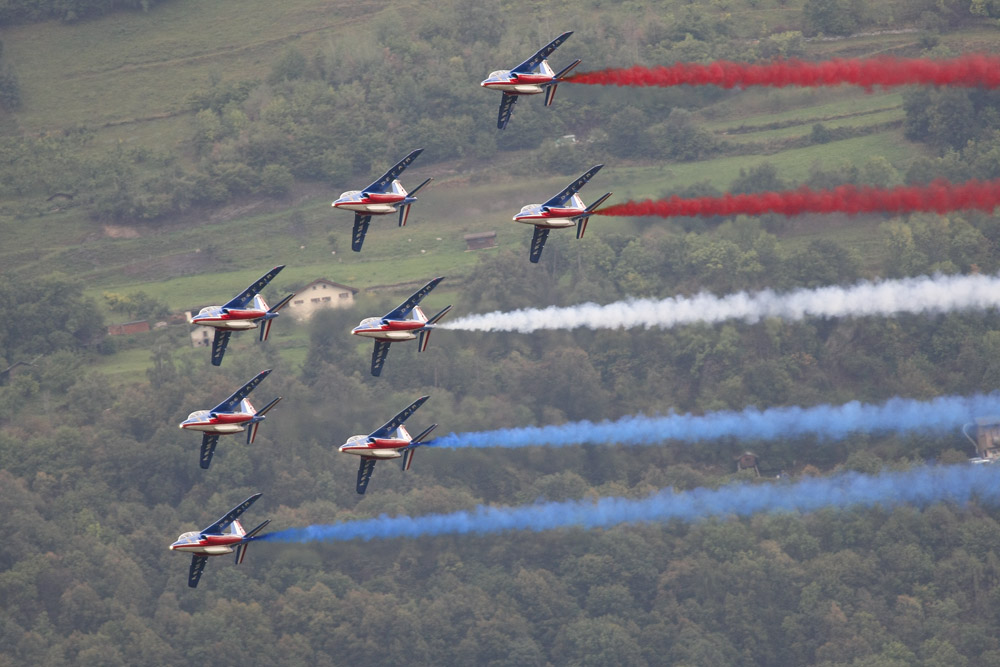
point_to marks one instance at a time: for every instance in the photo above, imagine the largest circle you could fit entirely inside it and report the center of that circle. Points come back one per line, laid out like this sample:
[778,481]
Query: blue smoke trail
[921,486]
[897,415]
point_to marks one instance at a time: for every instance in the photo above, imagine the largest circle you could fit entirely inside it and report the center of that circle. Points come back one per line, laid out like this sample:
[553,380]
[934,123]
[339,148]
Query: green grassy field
[129,79]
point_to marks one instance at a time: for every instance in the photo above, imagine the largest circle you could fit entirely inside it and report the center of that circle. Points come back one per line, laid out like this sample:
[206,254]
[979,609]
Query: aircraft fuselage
[527,83]
[233,319]
[394,330]
[379,448]
[210,544]
[222,422]
[374,203]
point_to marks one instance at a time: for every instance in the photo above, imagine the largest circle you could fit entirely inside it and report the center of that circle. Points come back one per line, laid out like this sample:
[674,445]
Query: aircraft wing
[246,296]
[219,343]
[208,443]
[197,567]
[571,189]
[230,516]
[507,102]
[379,355]
[543,53]
[365,472]
[403,309]
[383,183]
[537,243]
[398,420]
[230,403]
[360,229]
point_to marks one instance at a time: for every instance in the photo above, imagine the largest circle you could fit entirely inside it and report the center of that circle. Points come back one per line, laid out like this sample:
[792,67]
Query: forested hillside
[116,211]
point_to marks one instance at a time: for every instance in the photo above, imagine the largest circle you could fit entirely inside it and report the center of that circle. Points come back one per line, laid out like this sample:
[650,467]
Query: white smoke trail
[924,294]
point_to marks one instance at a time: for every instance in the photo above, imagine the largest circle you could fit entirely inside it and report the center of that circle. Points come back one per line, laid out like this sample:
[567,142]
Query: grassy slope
[129,75]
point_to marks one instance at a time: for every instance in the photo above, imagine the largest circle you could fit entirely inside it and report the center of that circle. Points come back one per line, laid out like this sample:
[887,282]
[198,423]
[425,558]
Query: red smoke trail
[938,197]
[974,70]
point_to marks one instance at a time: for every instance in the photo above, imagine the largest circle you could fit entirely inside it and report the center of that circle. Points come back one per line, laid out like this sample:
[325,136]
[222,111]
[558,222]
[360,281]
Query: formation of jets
[407,321]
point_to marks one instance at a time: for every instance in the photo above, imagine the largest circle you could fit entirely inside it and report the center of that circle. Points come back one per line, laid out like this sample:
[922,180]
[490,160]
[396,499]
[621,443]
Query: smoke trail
[973,70]
[923,294]
[828,422]
[920,487]
[937,197]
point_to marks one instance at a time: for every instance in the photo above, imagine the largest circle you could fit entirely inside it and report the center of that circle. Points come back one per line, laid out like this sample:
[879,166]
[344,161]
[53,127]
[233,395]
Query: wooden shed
[984,433]
[480,240]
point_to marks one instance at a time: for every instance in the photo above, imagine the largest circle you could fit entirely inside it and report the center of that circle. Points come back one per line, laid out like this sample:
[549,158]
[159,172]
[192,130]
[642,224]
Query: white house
[320,293]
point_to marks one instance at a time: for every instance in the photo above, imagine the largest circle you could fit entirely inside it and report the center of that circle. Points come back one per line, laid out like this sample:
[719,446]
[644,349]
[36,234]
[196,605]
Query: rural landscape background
[158,156]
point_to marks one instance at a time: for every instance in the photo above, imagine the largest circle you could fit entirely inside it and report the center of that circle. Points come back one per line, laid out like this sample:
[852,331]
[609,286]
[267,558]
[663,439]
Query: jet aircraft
[384,196]
[389,441]
[404,322]
[564,210]
[215,540]
[238,314]
[531,77]
[234,415]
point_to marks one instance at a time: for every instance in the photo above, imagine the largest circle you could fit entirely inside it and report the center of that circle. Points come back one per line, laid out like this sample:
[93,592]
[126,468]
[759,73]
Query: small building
[202,336]
[747,461]
[480,240]
[139,326]
[984,433]
[320,293]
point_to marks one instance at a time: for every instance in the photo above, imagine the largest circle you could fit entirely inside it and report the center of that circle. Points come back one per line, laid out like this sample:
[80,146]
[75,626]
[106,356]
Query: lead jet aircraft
[216,541]
[234,415]
[389,441]
[246,310]
[384,196]
[531,77]
[566,209]
[404,322]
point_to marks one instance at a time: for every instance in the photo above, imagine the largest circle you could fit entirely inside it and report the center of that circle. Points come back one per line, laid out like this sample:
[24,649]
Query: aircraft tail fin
[424,335]
[407,459]
[417,189]
[566,70]
[241,549]
[257,419]
[581,220]
[404,213]
[272,312]
[550,94]
[423,434]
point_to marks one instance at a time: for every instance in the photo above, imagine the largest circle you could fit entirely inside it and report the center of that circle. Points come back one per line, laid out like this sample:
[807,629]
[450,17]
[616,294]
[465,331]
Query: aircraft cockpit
[190,537]
[370,321]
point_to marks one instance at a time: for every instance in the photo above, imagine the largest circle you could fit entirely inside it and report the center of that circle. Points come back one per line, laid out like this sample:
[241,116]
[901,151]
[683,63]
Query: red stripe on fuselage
[383,198]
